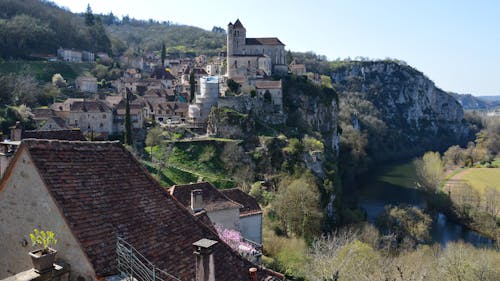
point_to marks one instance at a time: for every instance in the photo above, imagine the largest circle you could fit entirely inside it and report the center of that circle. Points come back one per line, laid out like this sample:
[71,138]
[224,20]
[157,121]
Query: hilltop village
[176,92]
[153,92]
[219,156]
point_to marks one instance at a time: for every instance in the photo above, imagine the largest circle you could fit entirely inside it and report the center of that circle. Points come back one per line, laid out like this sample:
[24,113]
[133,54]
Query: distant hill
[491,98]
[40,27]
[470,102]
[150,35]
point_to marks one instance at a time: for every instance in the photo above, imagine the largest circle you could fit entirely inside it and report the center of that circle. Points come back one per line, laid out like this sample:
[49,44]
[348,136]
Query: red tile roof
[89,106]
[250,205]
[213,199]
[162,73]
[70,135]
[104,192]
[264,41]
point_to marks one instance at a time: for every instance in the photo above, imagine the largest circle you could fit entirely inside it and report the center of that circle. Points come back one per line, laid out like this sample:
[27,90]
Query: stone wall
[229,218]
[264,111]
[25,204]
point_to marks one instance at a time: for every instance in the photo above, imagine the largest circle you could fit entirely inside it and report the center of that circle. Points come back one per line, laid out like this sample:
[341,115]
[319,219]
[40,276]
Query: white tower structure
[208,97]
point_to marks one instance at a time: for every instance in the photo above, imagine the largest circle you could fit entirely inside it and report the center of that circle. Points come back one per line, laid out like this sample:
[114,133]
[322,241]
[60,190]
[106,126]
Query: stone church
[253,58]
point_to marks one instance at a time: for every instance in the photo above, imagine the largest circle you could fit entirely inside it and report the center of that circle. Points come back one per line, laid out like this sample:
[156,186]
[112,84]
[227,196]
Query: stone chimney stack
[197,200]
[16,132]
[205,267]
[253,274]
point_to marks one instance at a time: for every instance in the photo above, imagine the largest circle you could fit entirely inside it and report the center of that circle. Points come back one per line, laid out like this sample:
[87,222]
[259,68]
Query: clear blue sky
[456,43]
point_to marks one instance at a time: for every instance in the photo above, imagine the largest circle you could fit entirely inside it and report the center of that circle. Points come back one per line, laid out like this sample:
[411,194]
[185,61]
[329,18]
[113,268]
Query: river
[394,184]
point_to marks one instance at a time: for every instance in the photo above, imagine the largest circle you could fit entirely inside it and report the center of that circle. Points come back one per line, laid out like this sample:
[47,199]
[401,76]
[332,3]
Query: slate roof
[69,134]
[249,204]
[213,199]
[104,192]
[263,41]
[238,24]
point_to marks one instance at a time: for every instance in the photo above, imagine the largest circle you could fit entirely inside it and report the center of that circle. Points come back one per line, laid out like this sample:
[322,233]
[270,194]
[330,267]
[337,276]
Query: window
[104,116]
[101,125]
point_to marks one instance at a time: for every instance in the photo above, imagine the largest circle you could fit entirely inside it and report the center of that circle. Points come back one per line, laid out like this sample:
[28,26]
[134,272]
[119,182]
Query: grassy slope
[480,178]
[189,161]
[43,70]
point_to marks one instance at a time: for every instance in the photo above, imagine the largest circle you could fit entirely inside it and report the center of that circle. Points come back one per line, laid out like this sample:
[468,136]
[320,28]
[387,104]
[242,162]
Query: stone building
[270,91]
[88,115]
[231,208]
[250,224]
[69,55]
[297,68]
[247,55]
[86,84]
[94,195]
[204,99]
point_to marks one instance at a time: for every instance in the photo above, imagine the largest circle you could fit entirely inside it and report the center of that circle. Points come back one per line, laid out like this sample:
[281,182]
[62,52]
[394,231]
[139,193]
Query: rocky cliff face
[311,108]
[418,115]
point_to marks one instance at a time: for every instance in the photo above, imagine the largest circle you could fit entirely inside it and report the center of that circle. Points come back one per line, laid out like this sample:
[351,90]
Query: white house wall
[24,205]
[251,227]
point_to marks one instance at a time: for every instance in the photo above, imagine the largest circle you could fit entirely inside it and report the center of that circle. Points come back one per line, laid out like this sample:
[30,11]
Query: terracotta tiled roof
[264,41]
[112,101]
[135,109]
[42,113]
[200,71]
[250,205]
[70,135]
[249,55]
[213,199]
[104,192]
[267,84]
[89,105]
[162,73]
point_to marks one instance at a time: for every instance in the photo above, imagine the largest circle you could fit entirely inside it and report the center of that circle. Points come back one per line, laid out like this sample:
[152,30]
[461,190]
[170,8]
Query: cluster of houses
[113,220]
[160,91]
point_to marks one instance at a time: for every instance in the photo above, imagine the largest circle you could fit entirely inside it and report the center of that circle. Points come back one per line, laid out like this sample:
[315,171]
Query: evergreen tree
[289,57]
[192,86]
[89,16]
[163,54]
[128,125]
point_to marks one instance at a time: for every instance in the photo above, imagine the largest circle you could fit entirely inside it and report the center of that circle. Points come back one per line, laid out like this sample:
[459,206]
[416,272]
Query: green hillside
[149,36]
[32,26]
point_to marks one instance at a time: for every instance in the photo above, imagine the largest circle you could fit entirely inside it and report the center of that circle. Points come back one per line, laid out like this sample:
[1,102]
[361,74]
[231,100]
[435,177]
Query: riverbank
[473,200]
[396,184]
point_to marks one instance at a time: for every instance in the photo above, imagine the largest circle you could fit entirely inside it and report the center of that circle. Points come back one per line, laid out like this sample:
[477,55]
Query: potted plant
[43,259]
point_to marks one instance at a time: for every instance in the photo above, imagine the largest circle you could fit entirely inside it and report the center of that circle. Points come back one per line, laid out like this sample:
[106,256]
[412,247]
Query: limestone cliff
[310,108]
[417,115]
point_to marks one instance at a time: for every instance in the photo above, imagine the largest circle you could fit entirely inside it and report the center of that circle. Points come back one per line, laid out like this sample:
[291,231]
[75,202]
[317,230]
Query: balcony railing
[134,266]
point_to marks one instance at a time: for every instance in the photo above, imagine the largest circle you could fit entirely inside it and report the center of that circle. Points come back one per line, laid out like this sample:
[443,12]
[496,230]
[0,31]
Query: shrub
[43,238]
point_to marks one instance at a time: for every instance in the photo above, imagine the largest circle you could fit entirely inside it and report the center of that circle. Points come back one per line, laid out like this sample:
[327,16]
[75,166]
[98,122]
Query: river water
[394,185]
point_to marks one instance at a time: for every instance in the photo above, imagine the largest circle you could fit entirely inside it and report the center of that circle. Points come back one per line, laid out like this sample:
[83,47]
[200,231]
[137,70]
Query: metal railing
[135,266]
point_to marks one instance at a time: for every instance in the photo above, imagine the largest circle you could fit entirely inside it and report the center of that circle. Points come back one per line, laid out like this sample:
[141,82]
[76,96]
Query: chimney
[205,268]
[16,132]
[196,200]
[253,273]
